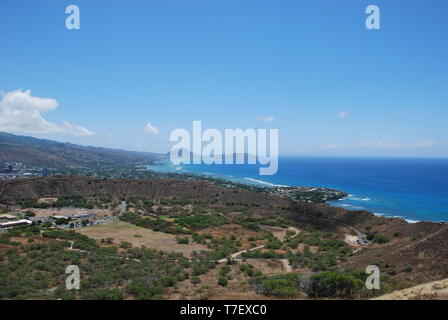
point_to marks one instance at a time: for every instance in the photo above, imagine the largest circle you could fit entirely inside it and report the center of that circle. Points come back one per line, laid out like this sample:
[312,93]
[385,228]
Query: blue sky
[328,84]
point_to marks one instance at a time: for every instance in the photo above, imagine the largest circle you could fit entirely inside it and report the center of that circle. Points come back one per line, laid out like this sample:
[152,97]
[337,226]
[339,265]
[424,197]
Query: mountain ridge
[49,153]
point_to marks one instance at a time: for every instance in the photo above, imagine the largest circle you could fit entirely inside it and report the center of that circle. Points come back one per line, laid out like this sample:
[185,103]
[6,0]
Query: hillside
[408,254]
[47,153]
[435,290]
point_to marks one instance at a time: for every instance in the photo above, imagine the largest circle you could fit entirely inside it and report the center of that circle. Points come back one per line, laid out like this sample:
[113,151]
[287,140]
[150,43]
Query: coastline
[345,202]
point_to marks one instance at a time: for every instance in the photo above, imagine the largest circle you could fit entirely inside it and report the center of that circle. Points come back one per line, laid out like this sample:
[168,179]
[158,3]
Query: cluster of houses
[79,219]
[10,221]
[15,170]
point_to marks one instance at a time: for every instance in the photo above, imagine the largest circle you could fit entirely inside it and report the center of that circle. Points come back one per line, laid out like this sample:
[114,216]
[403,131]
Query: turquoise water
[414,189]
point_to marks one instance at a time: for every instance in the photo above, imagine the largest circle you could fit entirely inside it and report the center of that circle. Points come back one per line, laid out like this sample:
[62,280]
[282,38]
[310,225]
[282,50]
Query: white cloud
[151,129]
[335,146]
[384,145]
[267,119]
[75,130]
[427,143]
[22,113]
[342,115]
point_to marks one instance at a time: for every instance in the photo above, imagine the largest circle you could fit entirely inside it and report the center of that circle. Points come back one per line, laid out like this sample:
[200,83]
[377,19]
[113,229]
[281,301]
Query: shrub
[273,243]
[195,280]
[381,239]
[333,285]
[182,240]
[280,286]
[416,236]
[222,281]
[30,214]
[125,245]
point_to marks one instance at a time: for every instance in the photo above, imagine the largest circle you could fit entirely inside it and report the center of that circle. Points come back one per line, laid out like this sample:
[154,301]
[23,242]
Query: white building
[11,224]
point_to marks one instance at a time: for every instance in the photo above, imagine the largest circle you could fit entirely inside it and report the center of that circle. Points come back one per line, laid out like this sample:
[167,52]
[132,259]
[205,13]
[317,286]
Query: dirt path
[236,254]
[277,232]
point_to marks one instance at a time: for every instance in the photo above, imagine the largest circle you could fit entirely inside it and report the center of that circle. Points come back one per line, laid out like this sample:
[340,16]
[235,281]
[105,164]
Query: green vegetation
[416,236]
[221,248]
[281,286]
[29,214]
[376,237]
[330,251]
[249,270]
[258,254]
[222,281]
[333,285]
[156,224]
[27,271]
[273,243]
[35,261]
[321,285]
[195,280]
[182,240]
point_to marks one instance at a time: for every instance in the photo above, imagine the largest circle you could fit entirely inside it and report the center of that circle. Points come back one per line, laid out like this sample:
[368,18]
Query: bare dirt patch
[137,236]
[351,240]
[47,200]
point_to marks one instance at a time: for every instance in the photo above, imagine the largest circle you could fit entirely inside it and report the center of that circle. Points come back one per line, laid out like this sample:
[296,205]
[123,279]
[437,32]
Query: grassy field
[123,231]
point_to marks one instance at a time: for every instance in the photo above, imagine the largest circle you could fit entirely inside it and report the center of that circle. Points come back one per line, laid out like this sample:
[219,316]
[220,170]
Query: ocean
[413,189]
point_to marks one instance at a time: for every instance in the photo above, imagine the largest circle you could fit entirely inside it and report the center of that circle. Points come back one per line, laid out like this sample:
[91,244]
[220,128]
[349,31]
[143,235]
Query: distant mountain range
[182,152]
[47,153]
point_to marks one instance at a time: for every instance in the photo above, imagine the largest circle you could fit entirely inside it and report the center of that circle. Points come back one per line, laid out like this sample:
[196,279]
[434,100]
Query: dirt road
[277,232]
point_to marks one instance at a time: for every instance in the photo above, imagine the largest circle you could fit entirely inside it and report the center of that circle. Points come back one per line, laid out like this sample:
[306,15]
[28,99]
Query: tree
[61,221]
[195,280]
[332,285]
[29,214]
[281,286]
